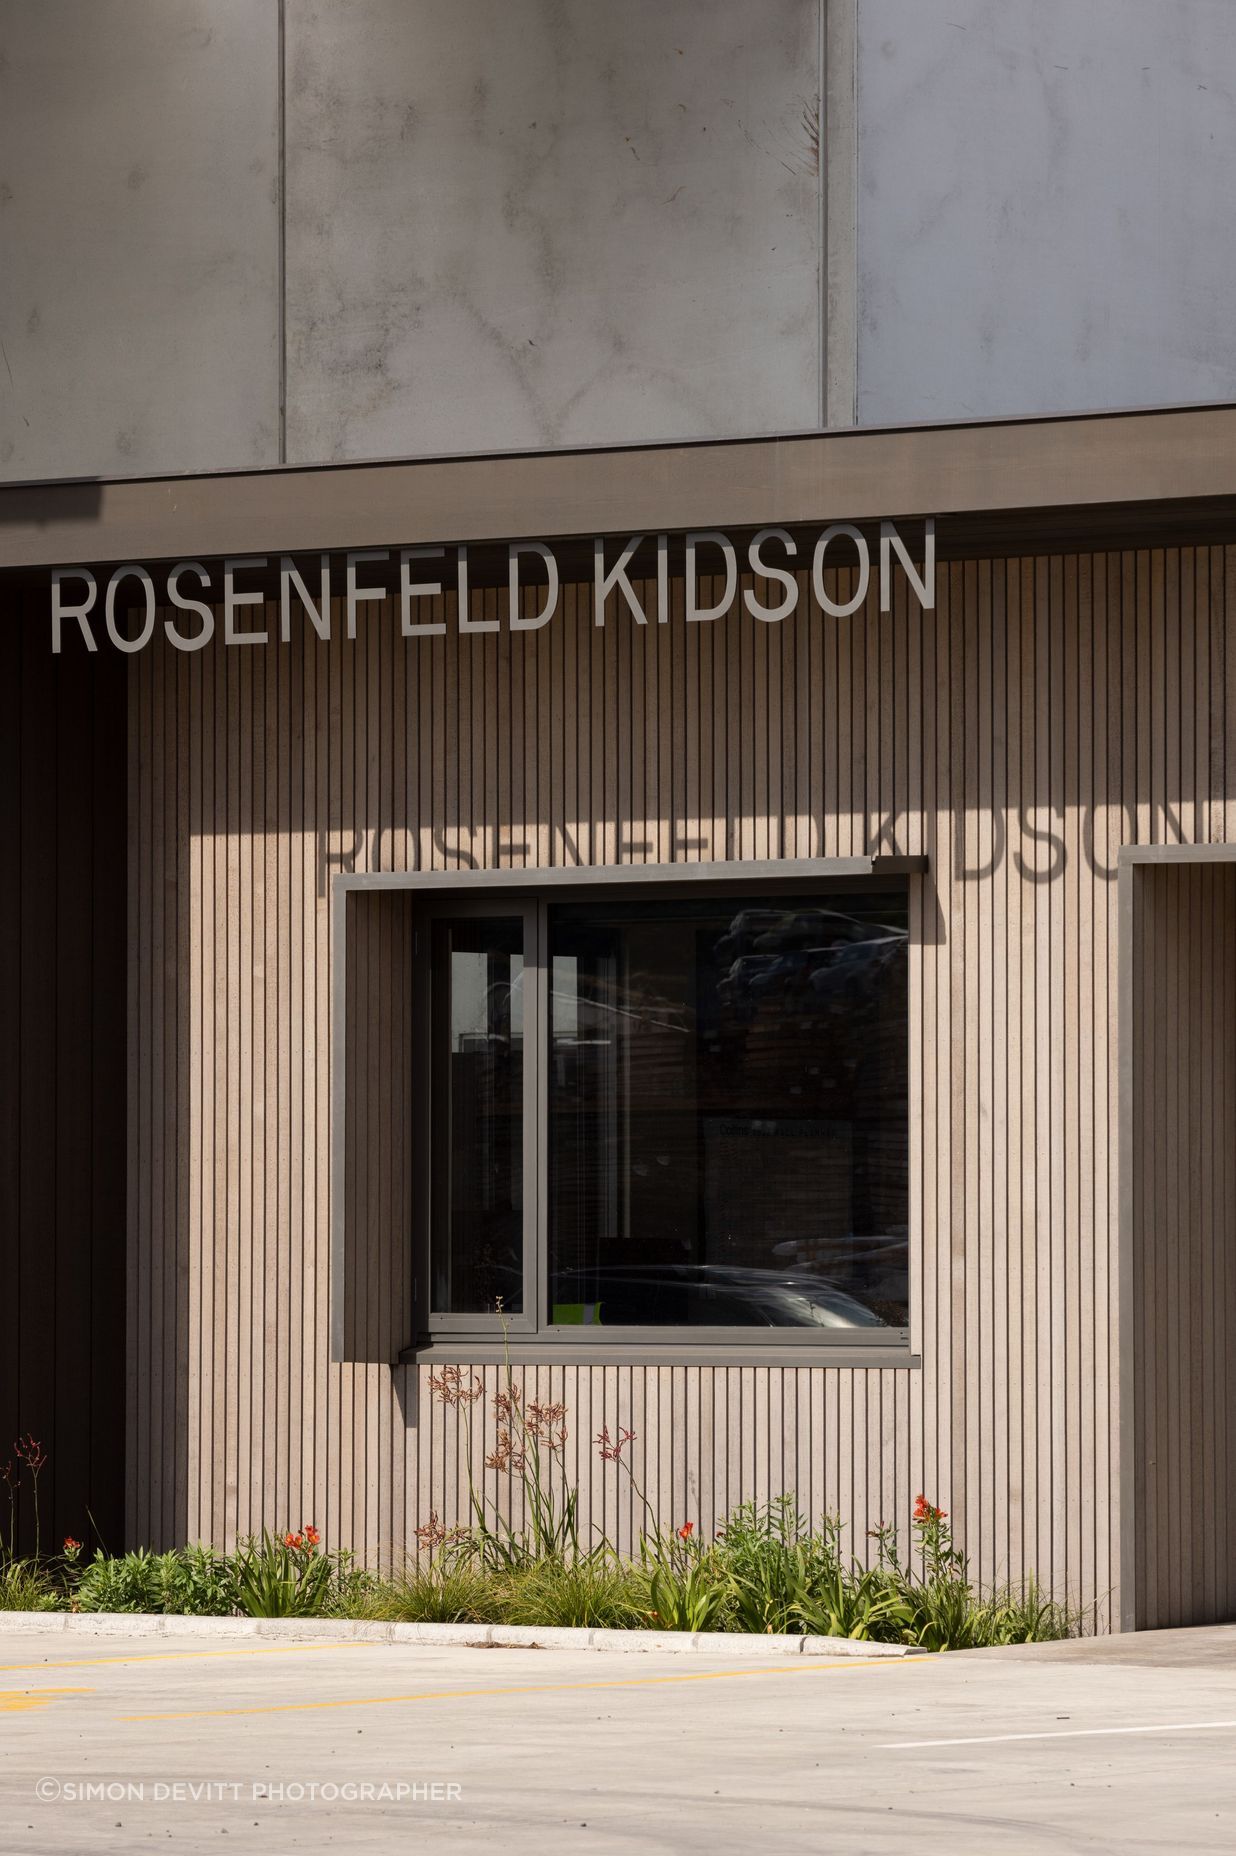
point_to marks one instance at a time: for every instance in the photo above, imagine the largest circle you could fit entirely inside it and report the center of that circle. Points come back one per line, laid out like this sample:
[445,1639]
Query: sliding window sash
[431,1081]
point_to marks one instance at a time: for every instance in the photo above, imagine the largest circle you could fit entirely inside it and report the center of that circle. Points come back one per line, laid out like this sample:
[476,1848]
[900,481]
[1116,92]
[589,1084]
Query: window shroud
[535,894]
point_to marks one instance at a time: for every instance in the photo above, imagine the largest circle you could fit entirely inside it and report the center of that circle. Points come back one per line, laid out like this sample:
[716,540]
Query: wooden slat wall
[1047,711]
[1184,1255]
[62,1080]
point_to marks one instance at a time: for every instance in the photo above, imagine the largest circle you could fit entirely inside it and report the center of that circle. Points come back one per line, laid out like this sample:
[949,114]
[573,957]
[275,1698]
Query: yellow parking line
[532,1688]
[180,1656]
[18,1700]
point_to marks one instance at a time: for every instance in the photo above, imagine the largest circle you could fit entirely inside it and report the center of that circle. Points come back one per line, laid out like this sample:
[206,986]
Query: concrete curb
[725,1644]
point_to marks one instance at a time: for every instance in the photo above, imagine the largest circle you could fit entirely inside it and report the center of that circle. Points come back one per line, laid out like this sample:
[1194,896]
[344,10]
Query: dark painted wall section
[62,1077]
[1183,1165]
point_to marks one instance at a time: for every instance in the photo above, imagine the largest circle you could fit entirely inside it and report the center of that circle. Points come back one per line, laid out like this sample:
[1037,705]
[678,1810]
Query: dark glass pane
[478,1116]
[728,1113]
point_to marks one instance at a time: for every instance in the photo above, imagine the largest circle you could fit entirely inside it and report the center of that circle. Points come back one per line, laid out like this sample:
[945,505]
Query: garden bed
[767,1574]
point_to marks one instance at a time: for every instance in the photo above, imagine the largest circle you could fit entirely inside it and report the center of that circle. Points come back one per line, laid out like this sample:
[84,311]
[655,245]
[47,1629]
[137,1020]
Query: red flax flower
[611,1448]
[30,1452]
[924,1510]
[450,1387]
[544,1423]
[431,1533]
[686,1530]
[507,1454]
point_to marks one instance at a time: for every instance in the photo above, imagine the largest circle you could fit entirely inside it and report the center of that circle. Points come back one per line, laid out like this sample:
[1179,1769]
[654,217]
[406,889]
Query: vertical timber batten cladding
[1046,712]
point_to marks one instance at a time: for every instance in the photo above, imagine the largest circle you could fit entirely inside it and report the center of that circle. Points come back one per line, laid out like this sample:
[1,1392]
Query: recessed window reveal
[131,598]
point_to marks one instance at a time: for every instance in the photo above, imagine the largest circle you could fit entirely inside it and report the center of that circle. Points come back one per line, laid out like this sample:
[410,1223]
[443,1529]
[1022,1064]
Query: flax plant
[529,1448]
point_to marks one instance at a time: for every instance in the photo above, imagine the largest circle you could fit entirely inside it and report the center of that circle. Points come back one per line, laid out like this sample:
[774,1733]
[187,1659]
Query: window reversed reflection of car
[818,952]
[720,1137]
[704,1295]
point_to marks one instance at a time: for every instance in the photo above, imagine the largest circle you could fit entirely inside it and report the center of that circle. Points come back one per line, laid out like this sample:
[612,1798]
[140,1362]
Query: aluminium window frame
[505,892]
[429,1137]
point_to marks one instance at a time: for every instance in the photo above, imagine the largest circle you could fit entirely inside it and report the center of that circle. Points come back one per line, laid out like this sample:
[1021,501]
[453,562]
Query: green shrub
[777,1577]
[190,1581]
[136,1581]
[940,1609]
[766,1572]
[761,1567]
[26,1586]
[270,1577]
[199,1583]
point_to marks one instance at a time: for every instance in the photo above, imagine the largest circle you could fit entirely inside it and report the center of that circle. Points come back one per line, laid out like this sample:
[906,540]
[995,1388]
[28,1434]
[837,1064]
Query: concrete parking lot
[126,1743]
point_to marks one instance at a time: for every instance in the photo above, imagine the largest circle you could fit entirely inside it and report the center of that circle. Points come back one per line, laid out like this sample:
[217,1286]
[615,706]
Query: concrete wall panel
[1044,205]
[539,223]
[139,236]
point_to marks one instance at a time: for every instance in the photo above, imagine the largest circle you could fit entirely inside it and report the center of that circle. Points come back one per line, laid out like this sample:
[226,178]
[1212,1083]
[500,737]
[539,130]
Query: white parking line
[1061,1733]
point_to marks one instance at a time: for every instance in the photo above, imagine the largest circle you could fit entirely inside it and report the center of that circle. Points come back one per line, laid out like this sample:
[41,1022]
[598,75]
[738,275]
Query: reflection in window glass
[728,1133]
[478,1040]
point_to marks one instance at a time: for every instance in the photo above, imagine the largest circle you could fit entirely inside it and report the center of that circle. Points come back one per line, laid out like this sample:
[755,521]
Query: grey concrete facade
[139,236]
[1044,218]
[548,224]
[235,234]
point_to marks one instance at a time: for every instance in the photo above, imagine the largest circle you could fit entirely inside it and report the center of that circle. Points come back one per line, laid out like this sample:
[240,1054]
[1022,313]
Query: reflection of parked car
[744,928]
[814,927]
[742,975]
[705,1295]
[881,1258]
[782,971]
[846,968]
[852,968]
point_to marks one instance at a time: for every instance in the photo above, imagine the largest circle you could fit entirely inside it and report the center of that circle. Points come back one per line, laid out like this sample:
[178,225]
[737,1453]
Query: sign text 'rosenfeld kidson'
[770,554]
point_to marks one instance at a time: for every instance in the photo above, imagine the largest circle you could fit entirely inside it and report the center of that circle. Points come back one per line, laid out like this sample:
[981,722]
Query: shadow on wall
[42,505]
[62,1079]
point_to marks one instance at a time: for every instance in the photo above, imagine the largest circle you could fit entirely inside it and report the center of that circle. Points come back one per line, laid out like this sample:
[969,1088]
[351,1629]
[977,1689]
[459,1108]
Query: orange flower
[71,1545]
[293,1540]
[686,1530]
[312,1536]
[924,1510]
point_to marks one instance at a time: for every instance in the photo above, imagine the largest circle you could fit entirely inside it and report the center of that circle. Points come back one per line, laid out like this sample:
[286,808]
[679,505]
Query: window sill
[551,1352]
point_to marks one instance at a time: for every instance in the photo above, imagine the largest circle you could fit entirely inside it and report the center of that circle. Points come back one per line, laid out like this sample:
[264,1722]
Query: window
[668,1109]
[477,1002]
